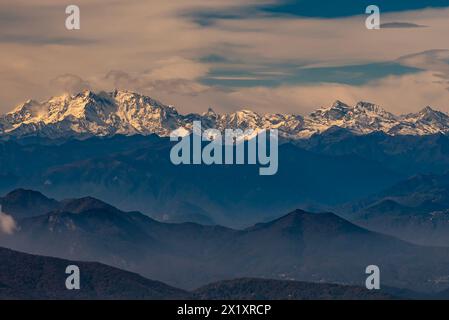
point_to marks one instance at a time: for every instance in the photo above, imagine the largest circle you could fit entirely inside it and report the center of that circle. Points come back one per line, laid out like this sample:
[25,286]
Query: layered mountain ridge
[89,114]
[300,246]
[26,276]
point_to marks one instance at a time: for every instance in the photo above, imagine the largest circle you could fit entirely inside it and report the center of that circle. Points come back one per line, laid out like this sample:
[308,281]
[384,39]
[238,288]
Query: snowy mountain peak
[339,105]
[125,112]
[210,112]
[426,121]
[430,114]
[368,107]
[428,109]
[336,111]
[89,113]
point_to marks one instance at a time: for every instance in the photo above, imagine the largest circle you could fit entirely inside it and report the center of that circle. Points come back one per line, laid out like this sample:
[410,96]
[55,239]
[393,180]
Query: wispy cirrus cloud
[400,25]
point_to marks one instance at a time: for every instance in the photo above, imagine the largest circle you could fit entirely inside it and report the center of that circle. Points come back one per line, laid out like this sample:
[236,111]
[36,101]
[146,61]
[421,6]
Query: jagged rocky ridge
[122,112]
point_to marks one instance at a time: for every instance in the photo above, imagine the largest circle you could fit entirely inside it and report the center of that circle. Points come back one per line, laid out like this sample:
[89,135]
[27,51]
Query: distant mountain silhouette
[416,210]
[404,154]
[83,204]
[22,203]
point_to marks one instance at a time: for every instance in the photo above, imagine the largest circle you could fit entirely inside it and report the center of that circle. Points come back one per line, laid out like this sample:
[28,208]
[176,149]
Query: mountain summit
[123,112]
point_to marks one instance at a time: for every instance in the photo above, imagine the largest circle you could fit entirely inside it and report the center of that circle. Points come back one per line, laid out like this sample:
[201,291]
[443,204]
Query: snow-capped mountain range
[123,112]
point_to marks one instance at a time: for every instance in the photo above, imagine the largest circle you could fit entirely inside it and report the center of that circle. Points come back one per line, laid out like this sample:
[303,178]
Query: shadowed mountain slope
[25,276]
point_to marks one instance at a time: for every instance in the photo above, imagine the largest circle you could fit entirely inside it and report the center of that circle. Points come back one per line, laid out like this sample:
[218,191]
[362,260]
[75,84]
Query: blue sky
[345,8]
[316,9]
[267,55]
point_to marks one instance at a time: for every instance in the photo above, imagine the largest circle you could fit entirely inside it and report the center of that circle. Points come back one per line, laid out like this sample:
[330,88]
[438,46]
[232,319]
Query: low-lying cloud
[70,83]
[7,224]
